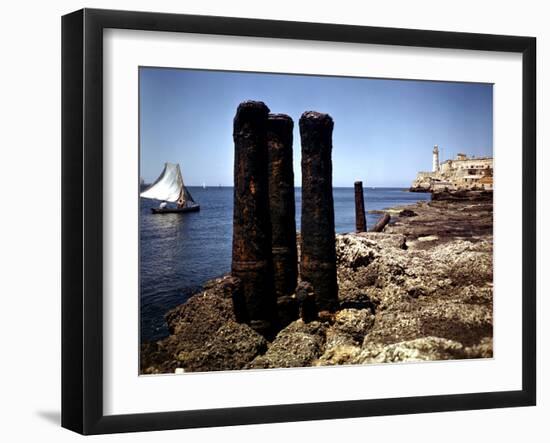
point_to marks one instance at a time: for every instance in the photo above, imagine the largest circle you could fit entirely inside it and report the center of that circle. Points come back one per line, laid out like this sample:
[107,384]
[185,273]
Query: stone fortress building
[461,174]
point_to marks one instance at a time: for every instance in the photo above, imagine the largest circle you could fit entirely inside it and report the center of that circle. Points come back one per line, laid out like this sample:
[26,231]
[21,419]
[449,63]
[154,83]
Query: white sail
[168,187]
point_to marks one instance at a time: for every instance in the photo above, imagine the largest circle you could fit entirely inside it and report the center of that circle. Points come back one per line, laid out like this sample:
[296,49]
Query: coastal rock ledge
[421,290]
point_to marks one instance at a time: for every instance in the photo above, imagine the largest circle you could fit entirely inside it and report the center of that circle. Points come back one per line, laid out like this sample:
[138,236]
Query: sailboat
[169,187]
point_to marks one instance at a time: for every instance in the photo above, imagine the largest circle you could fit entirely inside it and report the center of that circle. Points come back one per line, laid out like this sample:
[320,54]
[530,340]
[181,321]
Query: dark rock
[407,213]
[425,189]
[287,309]
[327,317]
[463,195]
[360,301]
[155,359]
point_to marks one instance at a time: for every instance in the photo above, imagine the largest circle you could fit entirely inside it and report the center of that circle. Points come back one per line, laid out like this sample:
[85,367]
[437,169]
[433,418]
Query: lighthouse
[435,166]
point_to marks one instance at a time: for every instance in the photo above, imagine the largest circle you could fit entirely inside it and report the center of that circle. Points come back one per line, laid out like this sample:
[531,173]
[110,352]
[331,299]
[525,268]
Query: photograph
[293,220]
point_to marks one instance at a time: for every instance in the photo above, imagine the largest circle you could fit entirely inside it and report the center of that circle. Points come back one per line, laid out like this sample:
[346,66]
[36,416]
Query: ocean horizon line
[298,187]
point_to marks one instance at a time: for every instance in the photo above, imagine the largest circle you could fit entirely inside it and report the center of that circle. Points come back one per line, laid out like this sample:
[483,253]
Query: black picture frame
[82,215]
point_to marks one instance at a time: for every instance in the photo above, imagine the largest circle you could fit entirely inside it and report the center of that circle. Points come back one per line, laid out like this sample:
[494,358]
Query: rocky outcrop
[195,321]
[156,359]
[298,345]
[422,290]
[426,348]
[204,335]
[231,347]
[446,221]
[463,195]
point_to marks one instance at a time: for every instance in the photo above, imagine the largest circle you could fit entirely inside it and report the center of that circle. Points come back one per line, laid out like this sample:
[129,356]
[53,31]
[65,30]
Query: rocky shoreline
[420,290]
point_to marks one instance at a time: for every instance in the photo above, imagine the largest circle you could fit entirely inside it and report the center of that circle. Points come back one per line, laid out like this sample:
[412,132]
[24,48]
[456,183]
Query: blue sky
[384,130]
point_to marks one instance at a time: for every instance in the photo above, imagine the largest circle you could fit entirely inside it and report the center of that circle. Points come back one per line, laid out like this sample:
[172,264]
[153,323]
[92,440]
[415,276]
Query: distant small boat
[203,185]
[169,188]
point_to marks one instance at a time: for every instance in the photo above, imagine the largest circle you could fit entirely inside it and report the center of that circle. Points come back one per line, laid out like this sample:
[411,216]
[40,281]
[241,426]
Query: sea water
[180,252]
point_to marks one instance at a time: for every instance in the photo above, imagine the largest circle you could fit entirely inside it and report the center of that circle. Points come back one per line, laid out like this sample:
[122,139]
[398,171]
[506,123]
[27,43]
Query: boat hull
[175,210]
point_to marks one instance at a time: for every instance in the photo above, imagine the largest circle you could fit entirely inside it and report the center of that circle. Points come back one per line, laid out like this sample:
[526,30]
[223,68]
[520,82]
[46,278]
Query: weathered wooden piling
[381,223]
[360,220]
[318,248]
[283,214]
[251,259]
[282,203]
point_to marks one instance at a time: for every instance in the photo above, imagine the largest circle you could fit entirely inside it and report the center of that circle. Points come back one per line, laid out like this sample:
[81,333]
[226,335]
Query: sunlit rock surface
[421,290]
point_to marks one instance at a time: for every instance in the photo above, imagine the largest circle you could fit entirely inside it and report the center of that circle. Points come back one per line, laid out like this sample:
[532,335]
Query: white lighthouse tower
[435,165]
